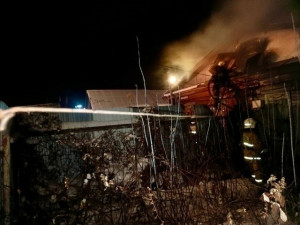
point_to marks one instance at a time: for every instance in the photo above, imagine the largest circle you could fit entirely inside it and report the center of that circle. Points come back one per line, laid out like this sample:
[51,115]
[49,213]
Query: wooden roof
[280,44]
[278,64]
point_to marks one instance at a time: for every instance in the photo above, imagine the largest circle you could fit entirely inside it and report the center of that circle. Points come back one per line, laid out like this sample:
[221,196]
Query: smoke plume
[232,21]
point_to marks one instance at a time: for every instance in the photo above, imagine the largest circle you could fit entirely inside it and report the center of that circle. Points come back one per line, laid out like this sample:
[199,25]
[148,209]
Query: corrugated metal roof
[75,117]
[110,99]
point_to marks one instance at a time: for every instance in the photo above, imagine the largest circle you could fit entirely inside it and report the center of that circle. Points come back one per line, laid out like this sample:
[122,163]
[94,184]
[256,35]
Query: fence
[158,169]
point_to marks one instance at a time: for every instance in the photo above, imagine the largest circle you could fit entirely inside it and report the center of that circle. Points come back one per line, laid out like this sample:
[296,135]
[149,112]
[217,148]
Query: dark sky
[53,49]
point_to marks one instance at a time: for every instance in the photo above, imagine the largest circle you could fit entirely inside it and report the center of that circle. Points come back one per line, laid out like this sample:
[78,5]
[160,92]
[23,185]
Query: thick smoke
[234,20]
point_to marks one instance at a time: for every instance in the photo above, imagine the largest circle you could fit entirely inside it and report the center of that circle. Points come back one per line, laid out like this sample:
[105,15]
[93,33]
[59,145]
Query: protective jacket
[252,153]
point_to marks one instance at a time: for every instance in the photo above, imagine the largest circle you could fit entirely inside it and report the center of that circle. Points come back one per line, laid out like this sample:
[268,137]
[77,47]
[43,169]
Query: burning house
[263,85]
[262,65]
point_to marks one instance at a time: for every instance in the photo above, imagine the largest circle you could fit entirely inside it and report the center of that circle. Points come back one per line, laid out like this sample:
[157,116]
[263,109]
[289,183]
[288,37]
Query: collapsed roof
[250,54]
[265,60]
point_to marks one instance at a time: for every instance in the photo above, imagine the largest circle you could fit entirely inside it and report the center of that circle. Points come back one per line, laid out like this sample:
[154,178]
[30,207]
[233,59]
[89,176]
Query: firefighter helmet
[249,123]
[221,63]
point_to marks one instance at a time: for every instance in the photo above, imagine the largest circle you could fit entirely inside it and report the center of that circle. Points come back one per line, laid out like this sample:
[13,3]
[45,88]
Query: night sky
[53,50]
[57,49]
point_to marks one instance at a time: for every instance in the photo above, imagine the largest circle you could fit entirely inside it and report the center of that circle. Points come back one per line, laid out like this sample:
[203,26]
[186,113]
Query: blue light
[79,106]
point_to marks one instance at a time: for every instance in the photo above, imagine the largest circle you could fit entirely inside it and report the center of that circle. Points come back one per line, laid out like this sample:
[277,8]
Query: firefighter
[252,149]
[220,77]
